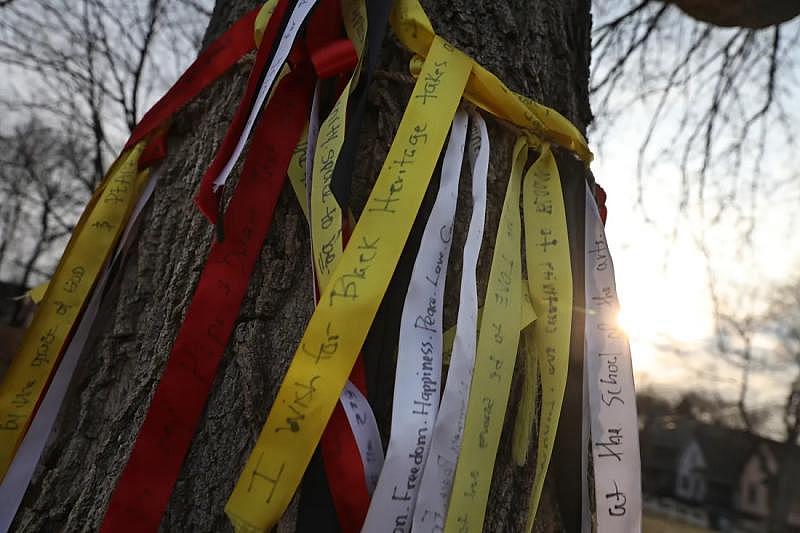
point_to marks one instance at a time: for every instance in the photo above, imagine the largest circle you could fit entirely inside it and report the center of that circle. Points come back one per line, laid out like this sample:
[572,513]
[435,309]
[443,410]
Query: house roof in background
[725,450]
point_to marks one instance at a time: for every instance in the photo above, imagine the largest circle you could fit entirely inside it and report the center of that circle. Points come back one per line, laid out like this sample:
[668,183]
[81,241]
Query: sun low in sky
[663,277]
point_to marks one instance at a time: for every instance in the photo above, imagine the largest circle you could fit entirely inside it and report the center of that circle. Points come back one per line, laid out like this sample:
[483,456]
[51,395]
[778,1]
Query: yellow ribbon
[485,90]
[326,215]
[550,279]
[92,242]
[36,294]
[262,19]
[526,408]
[348,303]
[494,365]
[526,319]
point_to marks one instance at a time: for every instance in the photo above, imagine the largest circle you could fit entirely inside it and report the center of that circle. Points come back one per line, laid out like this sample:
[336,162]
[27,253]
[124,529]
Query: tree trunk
[539,48]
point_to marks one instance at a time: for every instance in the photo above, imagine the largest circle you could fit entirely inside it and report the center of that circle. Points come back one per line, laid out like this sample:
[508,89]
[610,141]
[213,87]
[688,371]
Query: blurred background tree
[76,77]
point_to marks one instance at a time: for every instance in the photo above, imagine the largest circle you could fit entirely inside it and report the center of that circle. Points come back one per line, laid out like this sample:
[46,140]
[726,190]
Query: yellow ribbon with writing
[550,278]
[526,408]
[91,244]
[326,215]
[526,319]
[494,364]
[349,302]
[485,90]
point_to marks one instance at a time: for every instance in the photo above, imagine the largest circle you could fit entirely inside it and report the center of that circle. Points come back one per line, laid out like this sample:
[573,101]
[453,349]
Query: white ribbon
[20,472]
[365,430]
[612,399]
[419,354]
[301,10]
[437,478]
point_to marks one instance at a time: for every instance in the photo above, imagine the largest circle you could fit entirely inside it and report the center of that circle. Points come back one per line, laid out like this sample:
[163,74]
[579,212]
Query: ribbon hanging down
[20,473]
[377,19]
[325,214]
[350,486]
[495,359]
[301,10]
[419,354]
[144,488]
[434,489]
[365,431]
[540,123]
[258,88]
[92,243]
[348,303]
[355,436]
[550,280]
[351,447]
[296,173]
[612,401]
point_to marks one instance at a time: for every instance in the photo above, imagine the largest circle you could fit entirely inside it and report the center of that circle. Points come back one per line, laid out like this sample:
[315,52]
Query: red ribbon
[600,197]
[212,62]
[207,200]
[143,490]
[145,485]
[343,466]
[331,54]
[155,151]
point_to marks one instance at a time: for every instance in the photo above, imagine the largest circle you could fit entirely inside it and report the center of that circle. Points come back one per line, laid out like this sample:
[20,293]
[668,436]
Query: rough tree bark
[540,48]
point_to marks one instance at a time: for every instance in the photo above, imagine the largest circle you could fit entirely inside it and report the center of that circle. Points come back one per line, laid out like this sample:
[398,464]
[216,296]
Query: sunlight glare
[646,317]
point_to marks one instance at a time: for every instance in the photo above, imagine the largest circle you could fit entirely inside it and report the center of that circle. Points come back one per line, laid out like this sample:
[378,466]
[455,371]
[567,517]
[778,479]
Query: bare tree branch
[79,75]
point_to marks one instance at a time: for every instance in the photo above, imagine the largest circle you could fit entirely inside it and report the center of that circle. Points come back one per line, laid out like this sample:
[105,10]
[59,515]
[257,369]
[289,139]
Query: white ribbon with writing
[20,472]
[437,478]
[612,400]
[301,10]
[419,354]
[365,430]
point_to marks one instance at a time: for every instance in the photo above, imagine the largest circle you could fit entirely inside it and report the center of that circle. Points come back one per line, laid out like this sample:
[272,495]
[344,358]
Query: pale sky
[662,276]
[662,271]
